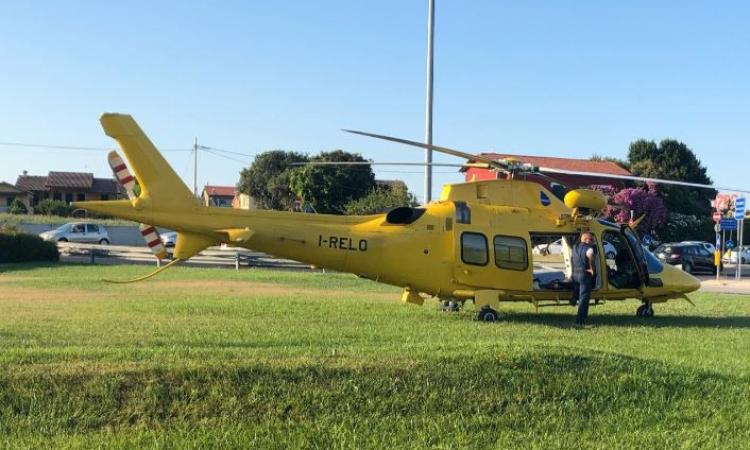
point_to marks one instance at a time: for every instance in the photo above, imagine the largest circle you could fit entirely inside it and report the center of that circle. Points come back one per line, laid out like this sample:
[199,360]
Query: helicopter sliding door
[552,260]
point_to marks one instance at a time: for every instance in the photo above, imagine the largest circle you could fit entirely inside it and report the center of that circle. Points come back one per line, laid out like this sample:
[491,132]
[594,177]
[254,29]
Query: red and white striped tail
[122,173]
[126,179]
[153,240]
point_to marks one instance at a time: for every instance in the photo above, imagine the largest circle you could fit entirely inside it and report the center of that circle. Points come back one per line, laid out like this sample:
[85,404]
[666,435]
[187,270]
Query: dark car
[692,257]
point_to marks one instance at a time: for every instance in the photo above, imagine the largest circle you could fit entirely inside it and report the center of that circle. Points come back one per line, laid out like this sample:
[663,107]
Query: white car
[169,239]
[731,256]
[84,232]
[555,248]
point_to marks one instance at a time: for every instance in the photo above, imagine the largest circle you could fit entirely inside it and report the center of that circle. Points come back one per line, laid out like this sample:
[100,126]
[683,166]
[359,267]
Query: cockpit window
[653,263]
[463,213]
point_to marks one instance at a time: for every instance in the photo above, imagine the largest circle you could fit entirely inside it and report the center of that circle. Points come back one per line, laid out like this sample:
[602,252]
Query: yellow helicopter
[479,242]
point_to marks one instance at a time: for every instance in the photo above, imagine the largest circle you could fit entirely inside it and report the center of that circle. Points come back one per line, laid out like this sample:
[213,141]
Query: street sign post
[739,216]
[728,224]
[739,208]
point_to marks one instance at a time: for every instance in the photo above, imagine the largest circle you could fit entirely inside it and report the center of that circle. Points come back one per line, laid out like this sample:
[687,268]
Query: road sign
[739,208]
[729,244]
[728,224]
[717,228]
[717,216]
[647,239]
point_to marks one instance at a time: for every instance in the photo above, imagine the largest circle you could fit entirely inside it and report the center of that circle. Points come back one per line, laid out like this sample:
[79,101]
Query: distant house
[571,164]
[8,193]
[220,196]
[68,187]
[226,197]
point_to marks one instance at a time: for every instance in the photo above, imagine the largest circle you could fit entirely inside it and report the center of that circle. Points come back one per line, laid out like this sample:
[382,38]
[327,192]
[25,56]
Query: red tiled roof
[220,191]
[579,165]
[70,180]
[31,183]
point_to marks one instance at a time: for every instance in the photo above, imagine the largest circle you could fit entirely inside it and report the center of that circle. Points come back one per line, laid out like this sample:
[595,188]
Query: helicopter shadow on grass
[627,320]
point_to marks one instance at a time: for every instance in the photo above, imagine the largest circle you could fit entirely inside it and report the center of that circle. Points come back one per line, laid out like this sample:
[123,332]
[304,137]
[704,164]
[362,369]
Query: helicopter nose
[679,280]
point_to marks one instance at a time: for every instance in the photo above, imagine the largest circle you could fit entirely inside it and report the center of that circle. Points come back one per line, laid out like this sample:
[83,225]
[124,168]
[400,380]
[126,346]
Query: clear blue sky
[549,78]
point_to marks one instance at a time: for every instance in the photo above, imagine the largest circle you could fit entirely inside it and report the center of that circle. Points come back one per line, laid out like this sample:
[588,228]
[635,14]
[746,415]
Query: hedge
[21,247]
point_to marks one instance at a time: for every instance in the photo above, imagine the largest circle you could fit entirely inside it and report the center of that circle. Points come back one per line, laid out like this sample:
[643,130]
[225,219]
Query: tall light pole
[428,105]
[195,167]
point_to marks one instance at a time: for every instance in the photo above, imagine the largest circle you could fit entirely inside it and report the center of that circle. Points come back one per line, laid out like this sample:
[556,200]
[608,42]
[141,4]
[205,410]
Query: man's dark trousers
[582,285]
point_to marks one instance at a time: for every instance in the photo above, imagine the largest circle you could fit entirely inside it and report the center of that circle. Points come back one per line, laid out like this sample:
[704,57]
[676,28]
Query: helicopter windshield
[653,263]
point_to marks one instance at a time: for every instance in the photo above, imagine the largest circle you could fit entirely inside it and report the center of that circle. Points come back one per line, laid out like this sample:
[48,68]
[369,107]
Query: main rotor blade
[448,151]
[644,179]
[368,163]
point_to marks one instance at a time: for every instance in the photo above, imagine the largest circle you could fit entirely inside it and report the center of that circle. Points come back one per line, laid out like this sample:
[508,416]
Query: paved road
[211,257]
[726,283]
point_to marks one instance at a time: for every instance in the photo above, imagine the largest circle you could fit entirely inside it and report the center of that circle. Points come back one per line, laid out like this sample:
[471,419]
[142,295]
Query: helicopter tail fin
[158,181]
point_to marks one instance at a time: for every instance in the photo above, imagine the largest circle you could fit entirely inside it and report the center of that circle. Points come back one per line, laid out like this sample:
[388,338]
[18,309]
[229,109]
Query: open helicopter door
[487,256]
[623,256]
[638,253]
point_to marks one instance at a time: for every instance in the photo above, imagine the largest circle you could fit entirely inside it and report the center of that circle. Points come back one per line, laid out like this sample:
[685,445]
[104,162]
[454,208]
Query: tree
[620,162]
[638,201]
[673,160]
[690,208]
[381,199]
[329,188]
[17,207]
[267,180]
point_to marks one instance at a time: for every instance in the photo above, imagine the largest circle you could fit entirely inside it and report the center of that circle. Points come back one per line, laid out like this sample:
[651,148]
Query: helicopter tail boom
[158,181]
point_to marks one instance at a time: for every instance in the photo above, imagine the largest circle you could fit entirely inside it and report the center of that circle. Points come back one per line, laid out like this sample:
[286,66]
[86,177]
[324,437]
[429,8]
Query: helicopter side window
[621,268]
[511,253]
[474,249]
[463,213]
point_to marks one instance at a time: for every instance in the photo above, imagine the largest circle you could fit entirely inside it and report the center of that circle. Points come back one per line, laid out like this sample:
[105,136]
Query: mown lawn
[270,359]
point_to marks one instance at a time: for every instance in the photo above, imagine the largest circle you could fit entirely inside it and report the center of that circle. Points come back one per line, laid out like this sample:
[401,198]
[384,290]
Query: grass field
[267,359]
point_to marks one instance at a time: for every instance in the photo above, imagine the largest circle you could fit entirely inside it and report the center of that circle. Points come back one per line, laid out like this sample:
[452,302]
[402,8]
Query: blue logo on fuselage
[543,198]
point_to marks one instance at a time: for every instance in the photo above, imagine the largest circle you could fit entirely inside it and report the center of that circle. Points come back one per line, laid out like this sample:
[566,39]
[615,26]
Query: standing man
[583,274]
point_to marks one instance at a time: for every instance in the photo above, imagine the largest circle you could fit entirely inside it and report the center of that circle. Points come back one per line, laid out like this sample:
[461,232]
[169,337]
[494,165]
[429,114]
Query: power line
[204,147]
[76,147]
[223,156]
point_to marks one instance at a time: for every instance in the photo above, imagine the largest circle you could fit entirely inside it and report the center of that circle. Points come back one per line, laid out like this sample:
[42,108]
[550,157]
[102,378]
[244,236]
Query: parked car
[555,248]
[731,256]
[169,239]
[691,257]
[707,245]
[84,232]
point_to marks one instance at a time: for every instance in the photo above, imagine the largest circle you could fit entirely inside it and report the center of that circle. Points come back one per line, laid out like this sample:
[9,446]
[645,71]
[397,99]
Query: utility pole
[195,167]
[428,106]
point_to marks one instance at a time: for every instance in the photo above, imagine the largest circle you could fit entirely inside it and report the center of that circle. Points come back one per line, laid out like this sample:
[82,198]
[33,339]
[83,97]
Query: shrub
[53,208]
[17,207]
[10,228]
[381,199]
[21,247]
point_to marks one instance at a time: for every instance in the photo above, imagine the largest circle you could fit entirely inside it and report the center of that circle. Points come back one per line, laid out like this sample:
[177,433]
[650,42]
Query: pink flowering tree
[639,201]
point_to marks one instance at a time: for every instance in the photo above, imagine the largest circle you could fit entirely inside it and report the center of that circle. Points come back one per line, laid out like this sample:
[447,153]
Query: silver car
[88,233]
